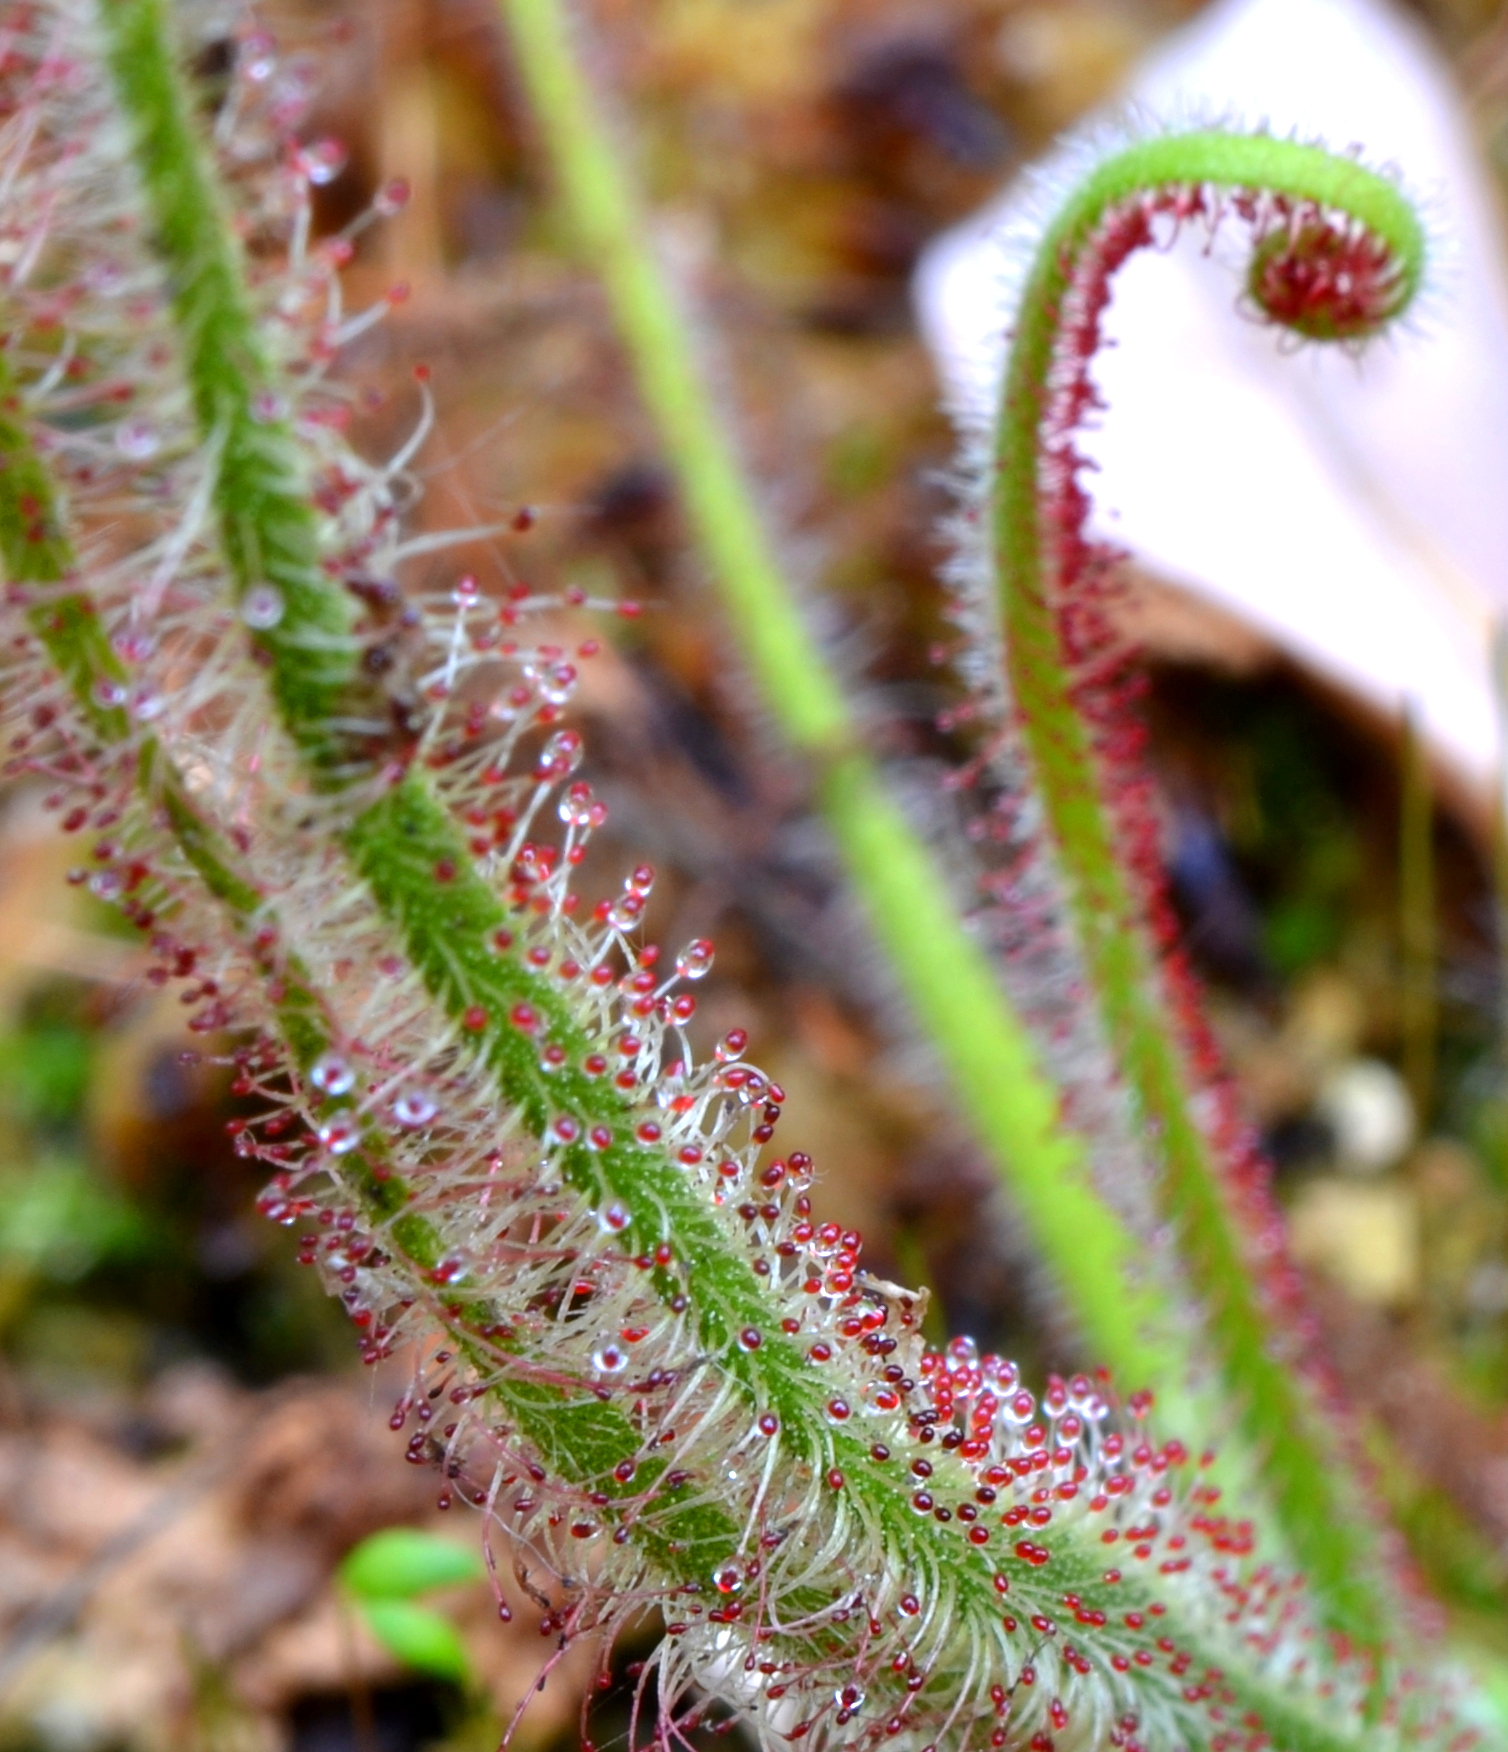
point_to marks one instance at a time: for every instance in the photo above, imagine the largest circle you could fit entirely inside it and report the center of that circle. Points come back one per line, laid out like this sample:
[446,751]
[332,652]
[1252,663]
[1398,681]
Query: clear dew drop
[695,960]
[613,1219]
[609,1359]
[322,161]
[292,92]
[106,885]
[413,1108]
[1086,1400]
[557,683]
[137,440]
[332,1074]
[728,1578]
[561,755]
[257,61]
[340,1135]
[262,607]
[392,197]
[105,279]
[576,807]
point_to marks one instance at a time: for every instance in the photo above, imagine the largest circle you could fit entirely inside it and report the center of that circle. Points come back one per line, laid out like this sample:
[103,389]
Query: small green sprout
[382,1575]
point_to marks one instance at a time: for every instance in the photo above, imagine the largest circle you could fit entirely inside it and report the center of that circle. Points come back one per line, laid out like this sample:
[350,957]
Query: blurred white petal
[1354,510]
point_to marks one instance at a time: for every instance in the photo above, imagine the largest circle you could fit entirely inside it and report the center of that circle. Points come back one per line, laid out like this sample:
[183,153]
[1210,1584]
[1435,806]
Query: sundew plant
[347,814]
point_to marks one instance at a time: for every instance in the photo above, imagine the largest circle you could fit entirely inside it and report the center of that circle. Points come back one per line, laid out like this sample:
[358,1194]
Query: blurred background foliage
[186,1450]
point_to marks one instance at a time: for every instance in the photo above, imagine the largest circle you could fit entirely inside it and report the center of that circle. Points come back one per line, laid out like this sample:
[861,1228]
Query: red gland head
[1325,278]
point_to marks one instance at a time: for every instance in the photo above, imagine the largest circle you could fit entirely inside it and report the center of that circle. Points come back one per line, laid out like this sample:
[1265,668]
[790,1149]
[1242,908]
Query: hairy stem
[1316,1496]
[586,1440]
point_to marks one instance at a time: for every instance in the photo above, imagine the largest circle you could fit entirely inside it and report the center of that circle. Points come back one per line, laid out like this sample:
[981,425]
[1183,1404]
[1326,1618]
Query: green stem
[267,525]
[1316,1496]
[986,1052]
